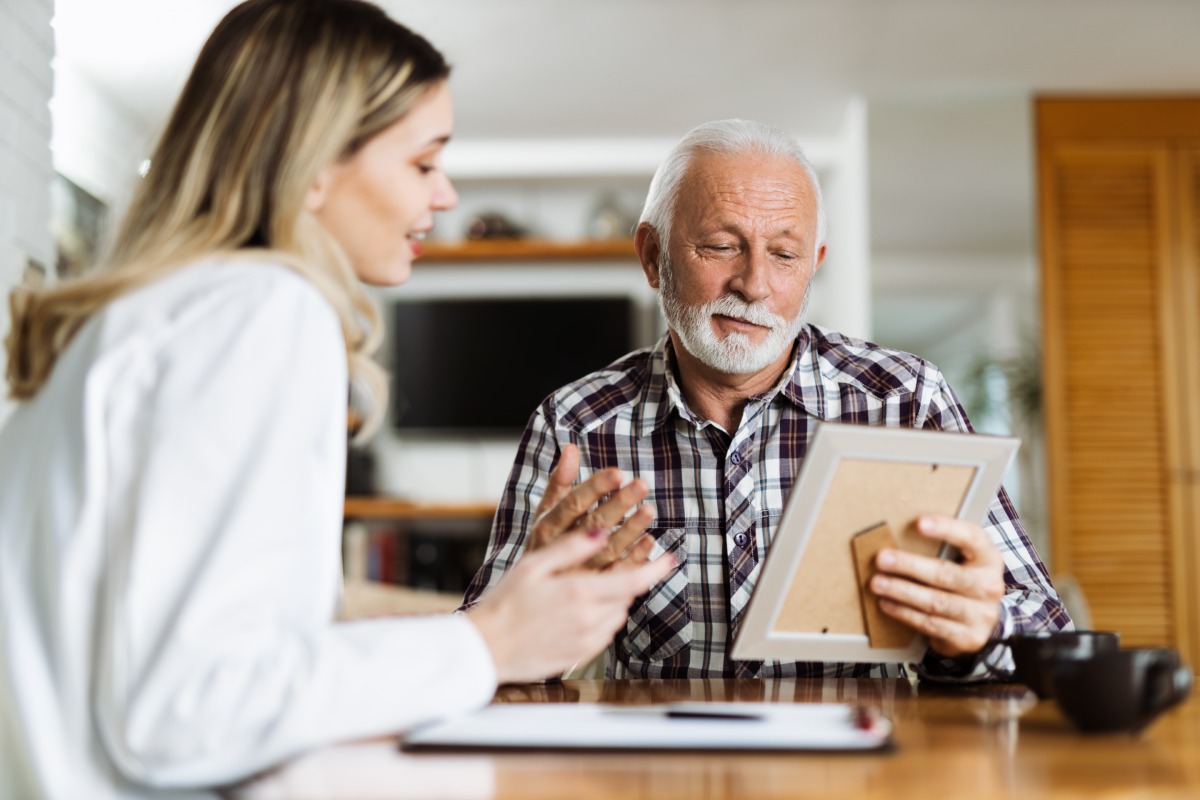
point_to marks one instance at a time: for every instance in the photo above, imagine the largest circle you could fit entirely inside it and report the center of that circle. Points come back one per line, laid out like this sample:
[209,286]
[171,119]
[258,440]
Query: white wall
[961,310]
[26,84]
[97,142]
[841,296]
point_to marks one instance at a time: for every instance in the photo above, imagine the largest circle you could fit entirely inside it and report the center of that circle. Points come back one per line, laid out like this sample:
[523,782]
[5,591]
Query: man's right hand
[546,615]
[566,507]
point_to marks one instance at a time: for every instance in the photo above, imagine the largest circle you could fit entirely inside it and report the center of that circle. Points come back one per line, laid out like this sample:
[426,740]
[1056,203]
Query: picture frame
[808,603]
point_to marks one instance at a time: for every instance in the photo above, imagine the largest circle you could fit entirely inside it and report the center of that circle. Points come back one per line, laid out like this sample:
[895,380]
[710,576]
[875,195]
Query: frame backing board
[806,603]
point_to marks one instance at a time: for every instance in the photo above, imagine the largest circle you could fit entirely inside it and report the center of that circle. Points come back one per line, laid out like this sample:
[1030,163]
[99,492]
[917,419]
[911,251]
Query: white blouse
[170,522]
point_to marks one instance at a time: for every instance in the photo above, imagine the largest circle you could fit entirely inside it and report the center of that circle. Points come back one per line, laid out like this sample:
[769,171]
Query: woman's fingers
[546,614]
[623,585]
[564,553]
[635,555]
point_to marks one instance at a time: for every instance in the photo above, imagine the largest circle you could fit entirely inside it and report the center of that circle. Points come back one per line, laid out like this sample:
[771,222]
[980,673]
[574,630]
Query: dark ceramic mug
[1120,690]
[1034,654]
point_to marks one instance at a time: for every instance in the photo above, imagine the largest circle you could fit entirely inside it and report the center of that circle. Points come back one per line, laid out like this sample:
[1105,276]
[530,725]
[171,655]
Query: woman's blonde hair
[281,89]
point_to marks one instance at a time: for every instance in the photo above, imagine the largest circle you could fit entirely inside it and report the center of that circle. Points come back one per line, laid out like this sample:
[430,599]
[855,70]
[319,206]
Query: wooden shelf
[532,250]
[392,508]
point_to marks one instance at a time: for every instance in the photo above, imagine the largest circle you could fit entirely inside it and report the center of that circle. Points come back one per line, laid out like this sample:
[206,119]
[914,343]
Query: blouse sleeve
[216,655]
[537,456]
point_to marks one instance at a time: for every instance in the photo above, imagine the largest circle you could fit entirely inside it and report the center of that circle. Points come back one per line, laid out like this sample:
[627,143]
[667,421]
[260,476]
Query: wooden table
[978,743]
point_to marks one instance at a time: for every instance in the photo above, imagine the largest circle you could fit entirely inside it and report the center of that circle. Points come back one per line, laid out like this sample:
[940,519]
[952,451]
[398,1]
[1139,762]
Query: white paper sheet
[678,726]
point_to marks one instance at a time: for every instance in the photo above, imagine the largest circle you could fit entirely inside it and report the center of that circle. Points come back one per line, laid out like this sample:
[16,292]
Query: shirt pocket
[660,624]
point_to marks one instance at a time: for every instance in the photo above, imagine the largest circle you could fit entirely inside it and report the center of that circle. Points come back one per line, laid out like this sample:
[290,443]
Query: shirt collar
[801,384]
[807,384]
[660,396]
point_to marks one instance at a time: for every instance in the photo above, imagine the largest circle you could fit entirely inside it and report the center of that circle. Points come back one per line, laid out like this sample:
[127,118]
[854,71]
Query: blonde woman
[170,485]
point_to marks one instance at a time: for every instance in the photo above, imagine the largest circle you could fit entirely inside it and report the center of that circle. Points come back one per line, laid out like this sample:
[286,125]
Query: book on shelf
[355,544]
[373,553]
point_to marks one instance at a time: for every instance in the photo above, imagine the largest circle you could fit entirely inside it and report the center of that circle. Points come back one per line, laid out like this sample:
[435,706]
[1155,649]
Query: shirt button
[740,539]
[736,457]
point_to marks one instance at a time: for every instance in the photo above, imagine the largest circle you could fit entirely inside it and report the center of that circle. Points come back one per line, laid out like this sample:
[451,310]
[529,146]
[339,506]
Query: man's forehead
[746,185]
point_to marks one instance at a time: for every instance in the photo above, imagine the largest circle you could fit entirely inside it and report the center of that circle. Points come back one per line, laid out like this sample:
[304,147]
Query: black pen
[719,715]
[668,712]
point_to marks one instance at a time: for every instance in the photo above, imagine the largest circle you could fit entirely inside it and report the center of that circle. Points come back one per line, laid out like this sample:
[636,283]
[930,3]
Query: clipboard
[810,602]
[690,726]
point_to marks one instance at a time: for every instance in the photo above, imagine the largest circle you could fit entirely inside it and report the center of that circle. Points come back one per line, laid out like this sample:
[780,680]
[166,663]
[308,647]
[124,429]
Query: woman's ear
[318,192]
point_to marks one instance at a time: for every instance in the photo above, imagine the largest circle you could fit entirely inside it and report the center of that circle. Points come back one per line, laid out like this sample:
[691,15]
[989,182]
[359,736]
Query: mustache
[731,305]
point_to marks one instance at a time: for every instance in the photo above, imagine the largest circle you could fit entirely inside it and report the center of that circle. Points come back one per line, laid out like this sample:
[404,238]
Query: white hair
[726,137]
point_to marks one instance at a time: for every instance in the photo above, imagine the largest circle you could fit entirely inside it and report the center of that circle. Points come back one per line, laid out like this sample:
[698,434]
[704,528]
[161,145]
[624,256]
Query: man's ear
[645,243]
[820,258]
[318,192]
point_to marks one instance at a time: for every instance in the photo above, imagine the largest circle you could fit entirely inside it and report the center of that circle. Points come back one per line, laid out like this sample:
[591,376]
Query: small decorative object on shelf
[610,219]
[494,225]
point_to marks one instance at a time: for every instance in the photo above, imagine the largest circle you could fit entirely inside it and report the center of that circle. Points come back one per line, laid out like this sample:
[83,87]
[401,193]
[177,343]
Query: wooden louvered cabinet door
[1105,373]
[1187,316]
[1121,313]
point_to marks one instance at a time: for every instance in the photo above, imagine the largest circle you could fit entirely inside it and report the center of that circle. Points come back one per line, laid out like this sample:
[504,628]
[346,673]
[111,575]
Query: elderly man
[713,423]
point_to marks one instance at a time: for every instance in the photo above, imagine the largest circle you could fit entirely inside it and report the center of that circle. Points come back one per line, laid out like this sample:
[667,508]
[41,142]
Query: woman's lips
[415,241]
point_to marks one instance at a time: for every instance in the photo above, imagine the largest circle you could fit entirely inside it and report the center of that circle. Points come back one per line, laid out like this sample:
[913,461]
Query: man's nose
[750,279]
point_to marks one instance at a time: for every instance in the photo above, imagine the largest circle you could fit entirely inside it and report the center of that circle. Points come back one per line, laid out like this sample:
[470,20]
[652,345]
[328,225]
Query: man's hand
[956,605]
[565,509]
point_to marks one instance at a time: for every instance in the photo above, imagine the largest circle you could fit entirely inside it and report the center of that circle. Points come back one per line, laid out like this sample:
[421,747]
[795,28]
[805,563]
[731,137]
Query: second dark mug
[1120,690]
[1034,654]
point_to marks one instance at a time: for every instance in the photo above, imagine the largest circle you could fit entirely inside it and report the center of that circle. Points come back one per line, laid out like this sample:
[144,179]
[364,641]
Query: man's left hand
[600,501]
[956,605]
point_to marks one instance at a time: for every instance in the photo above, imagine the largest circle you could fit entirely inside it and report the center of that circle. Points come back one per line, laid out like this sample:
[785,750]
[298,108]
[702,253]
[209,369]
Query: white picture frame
[806,603]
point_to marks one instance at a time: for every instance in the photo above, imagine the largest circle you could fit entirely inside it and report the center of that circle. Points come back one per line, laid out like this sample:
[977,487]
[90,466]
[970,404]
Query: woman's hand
[546,614]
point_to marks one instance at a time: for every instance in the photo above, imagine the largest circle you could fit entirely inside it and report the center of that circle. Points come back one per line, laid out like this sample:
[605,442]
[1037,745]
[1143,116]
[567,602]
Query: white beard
[735,353]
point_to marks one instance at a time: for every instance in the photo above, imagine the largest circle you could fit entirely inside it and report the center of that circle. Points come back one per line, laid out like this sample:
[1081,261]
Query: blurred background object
[494,225]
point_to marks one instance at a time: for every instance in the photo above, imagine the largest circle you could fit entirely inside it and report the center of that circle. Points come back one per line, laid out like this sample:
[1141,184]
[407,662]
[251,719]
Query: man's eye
[426,168]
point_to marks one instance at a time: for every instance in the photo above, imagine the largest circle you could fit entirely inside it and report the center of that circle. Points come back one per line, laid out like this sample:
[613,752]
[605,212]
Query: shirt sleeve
[537,456]
[1030,602]
[216,654]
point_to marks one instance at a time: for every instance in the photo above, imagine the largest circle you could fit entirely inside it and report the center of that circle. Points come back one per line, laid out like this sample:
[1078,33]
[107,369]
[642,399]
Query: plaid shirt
[719,497]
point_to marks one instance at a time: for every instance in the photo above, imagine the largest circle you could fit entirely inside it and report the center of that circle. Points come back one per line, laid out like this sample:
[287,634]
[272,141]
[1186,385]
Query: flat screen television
[481,366]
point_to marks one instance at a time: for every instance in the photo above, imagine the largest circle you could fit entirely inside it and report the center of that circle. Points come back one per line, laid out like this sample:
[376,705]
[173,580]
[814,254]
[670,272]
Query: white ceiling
[948,82]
